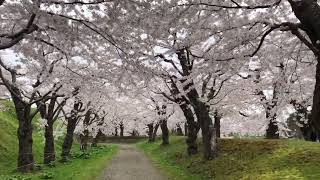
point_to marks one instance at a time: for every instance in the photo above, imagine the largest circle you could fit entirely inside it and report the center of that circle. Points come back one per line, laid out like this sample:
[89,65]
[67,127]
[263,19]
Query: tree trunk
[179,131]
[96,139]
[165,132]
[68,140]
[308,12]
[25,157]
[121,130]
[191,130]
[150,132]
[209,137]
[24,133]
[315,112]
[49,152]
[185,128]
[116,131]
[155,130]
[84,140]
[217,118]
[272,131]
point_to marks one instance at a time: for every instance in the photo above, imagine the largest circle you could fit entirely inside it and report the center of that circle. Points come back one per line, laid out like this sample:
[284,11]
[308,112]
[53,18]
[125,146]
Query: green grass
[239,159]
[81,166]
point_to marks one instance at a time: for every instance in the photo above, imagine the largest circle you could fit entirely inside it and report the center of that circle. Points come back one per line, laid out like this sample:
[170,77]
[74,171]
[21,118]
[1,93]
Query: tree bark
[217,119]
[308,12]
[84,140]
[24,133]
[165,132]
[179,130]
[116,131]
[155,130]
[49,151]
[68,140]
[186,129]
[95,140]
[48,114]
[150,132]
[192,130]
[25,157]
[209,137]
[121,129]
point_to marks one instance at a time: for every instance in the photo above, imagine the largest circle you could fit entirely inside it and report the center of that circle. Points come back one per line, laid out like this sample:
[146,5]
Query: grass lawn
[82,166]
[239,159]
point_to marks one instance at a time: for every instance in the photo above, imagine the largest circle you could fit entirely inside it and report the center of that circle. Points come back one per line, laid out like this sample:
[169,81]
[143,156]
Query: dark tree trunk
[272,131]
[185,128]
[25,157]
[24,133]
[84,140]
[209,137]
[116,131]
[308,12]
[121,129]
[315,112]
[179,130]
[201,110]
[96,139]
[165,132]
[208,131]
[191,130]
[49,152]
[155,130]
[68,140]
[217,118]
[150,132]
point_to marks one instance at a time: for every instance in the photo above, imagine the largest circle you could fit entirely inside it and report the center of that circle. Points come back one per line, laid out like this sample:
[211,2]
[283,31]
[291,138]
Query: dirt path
[131,164]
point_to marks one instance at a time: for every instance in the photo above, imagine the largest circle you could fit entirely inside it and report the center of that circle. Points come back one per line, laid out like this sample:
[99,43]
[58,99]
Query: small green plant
[81,155]
[47,175]
[14,177]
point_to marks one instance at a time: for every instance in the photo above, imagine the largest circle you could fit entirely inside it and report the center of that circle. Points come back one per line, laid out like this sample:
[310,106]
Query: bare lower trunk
[96,139]
[155,130]
[315,112]
[165,132]
[185,128]
[179,131]
[150,132]
[308,12]
[192,147]
[191,130]
[272,131]
[217,118]
[68,140]
[116,131]
[49,152]
[121,130]
[25,157]
[84,140]
[24,133]
[208,131]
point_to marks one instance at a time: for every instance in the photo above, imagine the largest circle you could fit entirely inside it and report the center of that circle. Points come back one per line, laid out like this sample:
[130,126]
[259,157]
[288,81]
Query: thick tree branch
[237,5]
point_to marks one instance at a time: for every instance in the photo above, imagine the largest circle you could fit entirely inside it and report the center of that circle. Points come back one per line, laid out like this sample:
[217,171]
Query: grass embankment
[82,166]
[239,159]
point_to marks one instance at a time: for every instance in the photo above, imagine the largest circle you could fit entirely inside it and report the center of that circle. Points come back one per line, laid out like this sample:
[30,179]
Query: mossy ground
[239,159]
[82,166]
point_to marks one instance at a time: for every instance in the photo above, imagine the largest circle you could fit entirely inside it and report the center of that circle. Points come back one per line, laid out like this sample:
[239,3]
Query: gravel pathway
[131,164]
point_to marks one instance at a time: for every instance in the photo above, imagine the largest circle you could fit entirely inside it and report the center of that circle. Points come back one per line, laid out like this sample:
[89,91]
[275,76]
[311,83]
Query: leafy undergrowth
[239,159]
[82,165]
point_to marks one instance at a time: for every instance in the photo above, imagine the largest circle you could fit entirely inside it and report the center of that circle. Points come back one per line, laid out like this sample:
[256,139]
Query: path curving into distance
[131,164]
